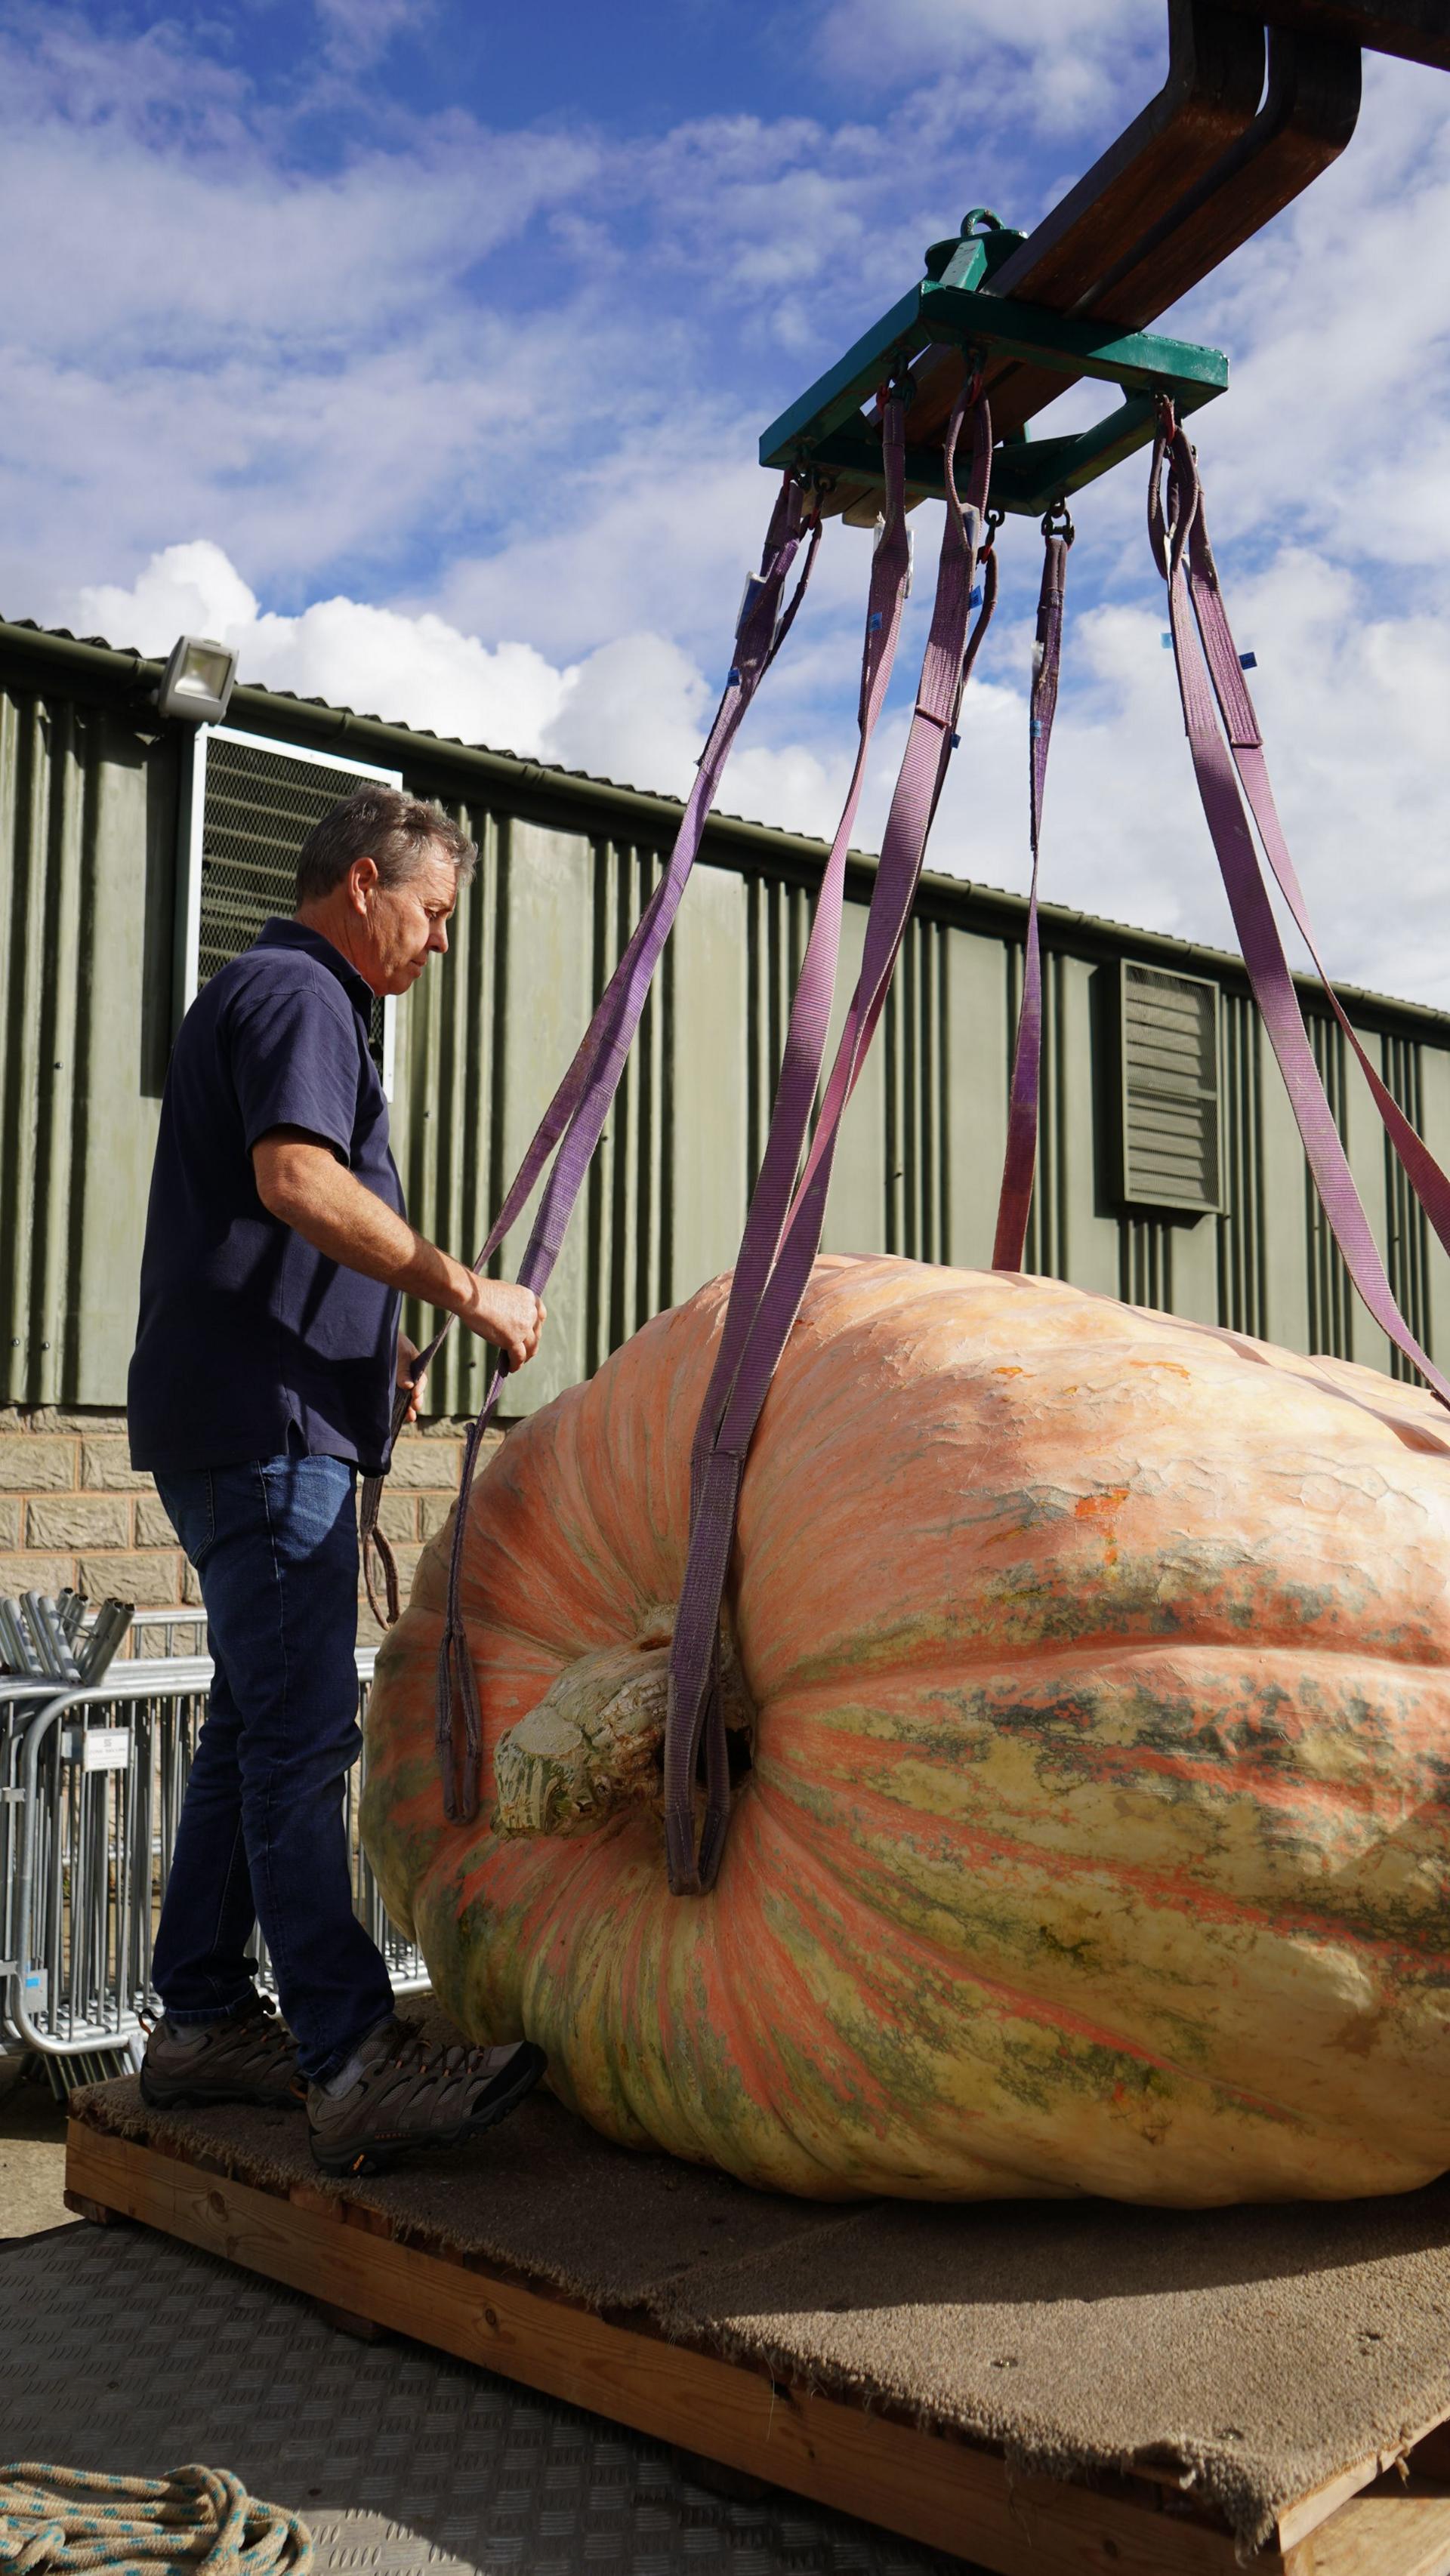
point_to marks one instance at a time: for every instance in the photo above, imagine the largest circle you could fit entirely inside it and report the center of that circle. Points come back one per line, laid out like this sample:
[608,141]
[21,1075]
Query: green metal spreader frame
[826,431]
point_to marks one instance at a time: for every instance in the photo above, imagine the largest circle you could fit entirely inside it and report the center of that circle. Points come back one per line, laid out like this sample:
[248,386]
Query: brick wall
[74,1511]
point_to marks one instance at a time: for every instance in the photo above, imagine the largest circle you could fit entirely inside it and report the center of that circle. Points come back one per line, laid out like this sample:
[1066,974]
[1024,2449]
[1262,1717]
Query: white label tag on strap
[754,584]
[879,531]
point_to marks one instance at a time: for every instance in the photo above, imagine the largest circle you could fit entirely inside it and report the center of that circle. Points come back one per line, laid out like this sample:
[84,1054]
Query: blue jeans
[261,1838]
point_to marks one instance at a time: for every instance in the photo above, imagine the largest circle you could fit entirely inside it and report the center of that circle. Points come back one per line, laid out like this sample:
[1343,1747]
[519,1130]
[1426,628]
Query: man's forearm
[321,1200]
[301,1182]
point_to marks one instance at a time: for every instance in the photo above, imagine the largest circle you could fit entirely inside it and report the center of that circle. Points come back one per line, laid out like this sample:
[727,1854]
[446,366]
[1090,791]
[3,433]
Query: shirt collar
[295,934]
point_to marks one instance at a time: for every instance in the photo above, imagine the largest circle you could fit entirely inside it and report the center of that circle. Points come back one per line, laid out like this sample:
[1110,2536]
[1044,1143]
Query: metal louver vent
[252,805]
[1170,1089]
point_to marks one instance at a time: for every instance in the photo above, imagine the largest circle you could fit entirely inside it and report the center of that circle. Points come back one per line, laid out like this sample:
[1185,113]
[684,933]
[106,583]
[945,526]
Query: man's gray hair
[379,823]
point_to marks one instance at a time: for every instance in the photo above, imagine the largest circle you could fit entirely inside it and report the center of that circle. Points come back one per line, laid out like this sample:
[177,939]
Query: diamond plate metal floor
[123,2351]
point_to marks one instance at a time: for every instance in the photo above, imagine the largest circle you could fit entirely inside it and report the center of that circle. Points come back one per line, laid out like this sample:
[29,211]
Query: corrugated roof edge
[119,669]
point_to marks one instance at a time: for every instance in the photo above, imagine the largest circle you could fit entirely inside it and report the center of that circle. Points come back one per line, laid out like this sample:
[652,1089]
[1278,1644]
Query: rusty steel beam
[1306,119]
[1417,30]
[1209,98]
[1211,159]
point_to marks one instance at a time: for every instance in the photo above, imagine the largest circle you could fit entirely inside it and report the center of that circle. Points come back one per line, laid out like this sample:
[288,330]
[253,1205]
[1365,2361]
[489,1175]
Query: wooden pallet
[1376,2519]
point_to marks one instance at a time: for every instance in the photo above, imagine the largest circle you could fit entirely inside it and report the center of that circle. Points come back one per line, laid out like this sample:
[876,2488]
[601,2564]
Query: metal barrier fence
[91,1785]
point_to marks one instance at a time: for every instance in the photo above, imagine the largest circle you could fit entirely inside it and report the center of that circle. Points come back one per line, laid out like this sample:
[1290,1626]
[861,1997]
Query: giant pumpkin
[1088,1676]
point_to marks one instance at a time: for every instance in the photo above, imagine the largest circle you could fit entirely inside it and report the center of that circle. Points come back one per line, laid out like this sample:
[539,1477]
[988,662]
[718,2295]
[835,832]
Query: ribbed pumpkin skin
[1097,1837]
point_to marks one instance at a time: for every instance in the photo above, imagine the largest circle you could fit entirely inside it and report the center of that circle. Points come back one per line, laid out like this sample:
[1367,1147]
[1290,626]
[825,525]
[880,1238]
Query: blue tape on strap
[1248,661]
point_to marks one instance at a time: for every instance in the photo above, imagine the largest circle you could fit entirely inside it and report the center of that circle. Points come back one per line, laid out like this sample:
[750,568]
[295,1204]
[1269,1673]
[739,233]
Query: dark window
[1170,1089]
[259,802]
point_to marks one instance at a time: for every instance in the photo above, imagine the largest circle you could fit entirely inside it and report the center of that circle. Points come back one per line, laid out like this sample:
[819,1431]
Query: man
[261,1387]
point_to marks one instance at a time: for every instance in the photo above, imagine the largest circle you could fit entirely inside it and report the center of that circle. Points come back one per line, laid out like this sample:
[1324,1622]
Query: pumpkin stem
[594,1744]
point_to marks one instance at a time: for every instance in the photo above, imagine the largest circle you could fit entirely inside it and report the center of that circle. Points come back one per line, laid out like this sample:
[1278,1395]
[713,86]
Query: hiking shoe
[396,2092]
[247,2056]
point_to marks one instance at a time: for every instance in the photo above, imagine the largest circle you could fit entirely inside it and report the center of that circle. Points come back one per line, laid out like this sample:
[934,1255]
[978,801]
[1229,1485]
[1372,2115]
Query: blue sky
[423,349]
[645,68]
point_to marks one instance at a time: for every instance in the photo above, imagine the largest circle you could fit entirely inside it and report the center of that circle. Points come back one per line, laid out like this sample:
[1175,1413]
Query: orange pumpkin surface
[1094,1836]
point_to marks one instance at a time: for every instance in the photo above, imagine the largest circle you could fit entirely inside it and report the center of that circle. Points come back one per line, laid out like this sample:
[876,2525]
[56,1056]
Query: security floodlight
[197,681]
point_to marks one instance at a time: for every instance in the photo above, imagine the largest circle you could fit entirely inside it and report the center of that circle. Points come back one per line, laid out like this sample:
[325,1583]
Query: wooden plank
[1426,2454]
[938,2491]
[1430,2454]
[1399,2530]
[347,2321]
[1309,2513]
[93,2211]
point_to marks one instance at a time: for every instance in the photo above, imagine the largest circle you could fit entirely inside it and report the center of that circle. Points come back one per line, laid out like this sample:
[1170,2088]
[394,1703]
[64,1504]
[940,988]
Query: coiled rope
[54,2521]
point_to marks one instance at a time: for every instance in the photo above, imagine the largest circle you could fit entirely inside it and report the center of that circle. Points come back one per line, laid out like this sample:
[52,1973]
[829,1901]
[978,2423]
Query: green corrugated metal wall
[88,824]
[89,829]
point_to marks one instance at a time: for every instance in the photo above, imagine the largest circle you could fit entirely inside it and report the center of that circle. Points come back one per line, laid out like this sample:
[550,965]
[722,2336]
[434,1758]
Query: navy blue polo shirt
[250,1342]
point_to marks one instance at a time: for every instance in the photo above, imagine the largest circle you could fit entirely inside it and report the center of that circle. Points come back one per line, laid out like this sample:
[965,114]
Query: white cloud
[1366,804]
[635,708]
[799,786]
[450,345]
[661,532]
[225,251]
[409,670]
[1341,366]
[358,32]
[1050,64]
[191,589]
[295,469]
[475,414]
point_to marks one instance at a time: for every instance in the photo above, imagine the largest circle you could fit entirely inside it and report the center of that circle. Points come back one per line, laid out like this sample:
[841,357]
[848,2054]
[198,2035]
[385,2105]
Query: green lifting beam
[830,433]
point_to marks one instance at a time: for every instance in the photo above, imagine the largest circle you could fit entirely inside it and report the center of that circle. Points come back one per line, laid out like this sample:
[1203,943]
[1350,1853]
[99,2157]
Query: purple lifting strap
[865,1011]
[1247,746]
[805,1043]
[1172,514]
[576,1115]
[782,1235]
[597,1049]
[1019,1163]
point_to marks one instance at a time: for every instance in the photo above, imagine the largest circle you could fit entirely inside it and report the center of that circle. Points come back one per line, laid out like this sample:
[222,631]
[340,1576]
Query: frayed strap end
[460,1765]
[377,1551]
[680,1853]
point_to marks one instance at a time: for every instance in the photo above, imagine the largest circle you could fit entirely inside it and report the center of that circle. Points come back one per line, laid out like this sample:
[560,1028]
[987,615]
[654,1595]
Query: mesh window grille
[1243,1261]
[1331,1297]
[1402,1067]
[1170,1101]
[259,804]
